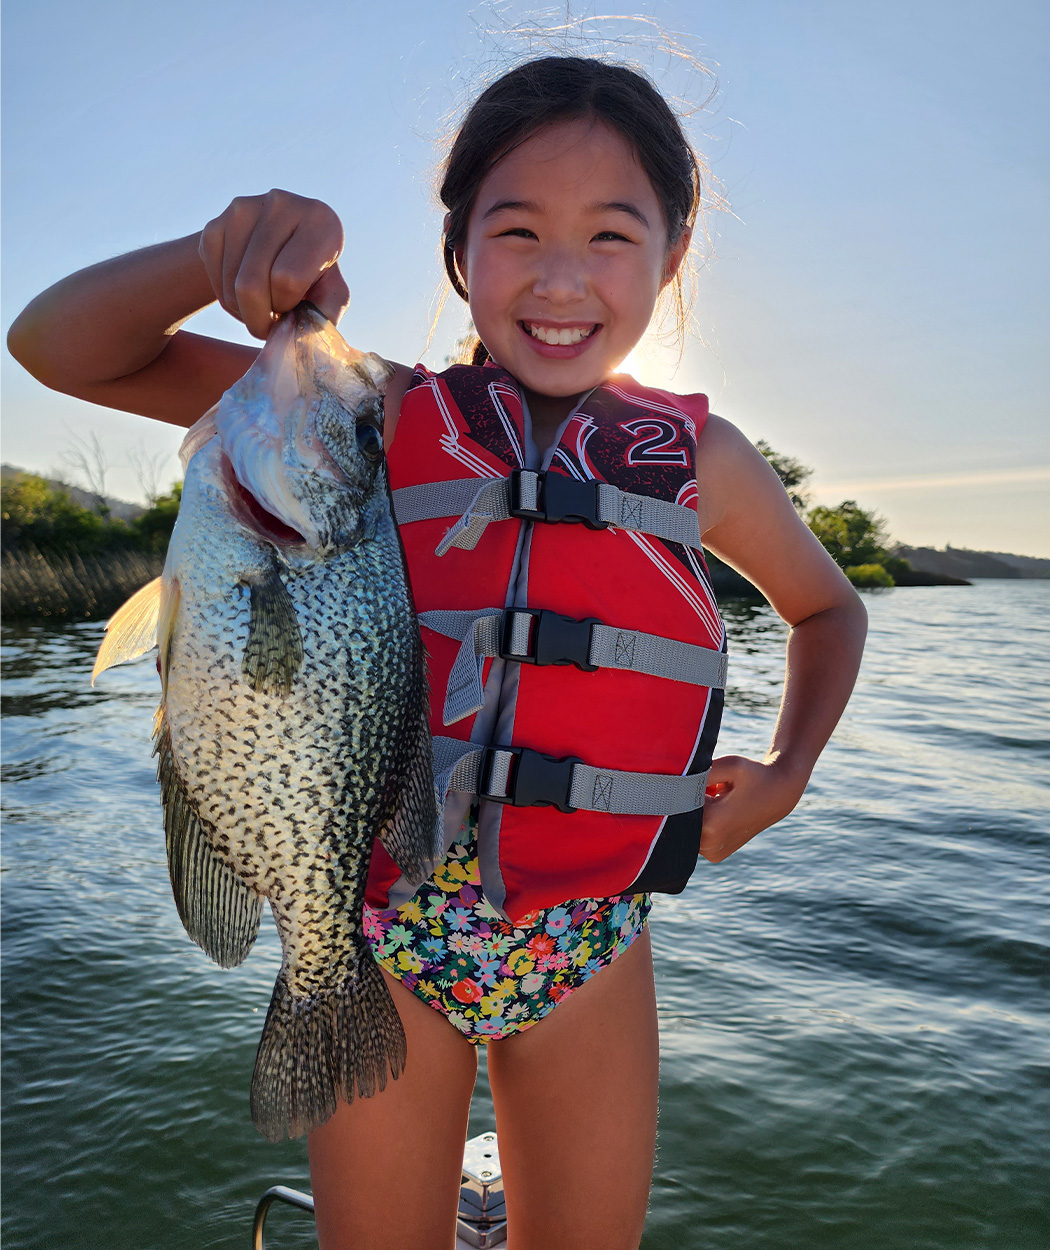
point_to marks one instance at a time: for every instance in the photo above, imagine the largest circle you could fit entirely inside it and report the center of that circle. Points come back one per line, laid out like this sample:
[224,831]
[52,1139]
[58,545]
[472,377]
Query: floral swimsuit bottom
[492,978]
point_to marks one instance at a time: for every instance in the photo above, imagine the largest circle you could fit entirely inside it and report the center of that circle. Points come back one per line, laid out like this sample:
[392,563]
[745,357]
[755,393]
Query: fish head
[302,434]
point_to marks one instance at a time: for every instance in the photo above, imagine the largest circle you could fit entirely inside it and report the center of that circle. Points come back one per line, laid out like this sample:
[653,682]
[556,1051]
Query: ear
[676,256]
[457,250]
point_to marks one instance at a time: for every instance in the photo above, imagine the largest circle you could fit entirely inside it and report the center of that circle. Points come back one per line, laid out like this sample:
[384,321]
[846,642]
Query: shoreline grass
[35,586]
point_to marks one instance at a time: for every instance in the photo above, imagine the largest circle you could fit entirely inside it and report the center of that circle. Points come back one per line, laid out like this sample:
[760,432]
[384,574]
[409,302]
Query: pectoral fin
[131,631]
[273,653]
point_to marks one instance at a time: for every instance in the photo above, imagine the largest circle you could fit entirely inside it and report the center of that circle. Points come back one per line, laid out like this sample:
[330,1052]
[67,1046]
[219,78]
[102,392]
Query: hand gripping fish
[292,728]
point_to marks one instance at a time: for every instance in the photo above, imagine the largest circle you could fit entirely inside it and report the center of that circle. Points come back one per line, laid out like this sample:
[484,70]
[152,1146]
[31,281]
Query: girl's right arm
[110,333]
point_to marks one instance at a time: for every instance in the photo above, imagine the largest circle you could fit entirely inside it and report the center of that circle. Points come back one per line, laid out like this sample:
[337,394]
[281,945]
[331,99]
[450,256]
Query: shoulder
[748,520]
[720,437]
[729,468]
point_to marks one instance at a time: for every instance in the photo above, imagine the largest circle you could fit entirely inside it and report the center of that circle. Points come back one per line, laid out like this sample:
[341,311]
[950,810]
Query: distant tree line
[42,518]
[63,560]
[856,539]
[39,515]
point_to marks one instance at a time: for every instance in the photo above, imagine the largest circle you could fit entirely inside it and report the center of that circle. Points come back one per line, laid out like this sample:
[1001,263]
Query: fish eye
[369,440]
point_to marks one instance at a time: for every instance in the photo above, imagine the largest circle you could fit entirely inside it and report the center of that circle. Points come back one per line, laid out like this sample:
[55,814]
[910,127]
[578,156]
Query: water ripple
[853,1009]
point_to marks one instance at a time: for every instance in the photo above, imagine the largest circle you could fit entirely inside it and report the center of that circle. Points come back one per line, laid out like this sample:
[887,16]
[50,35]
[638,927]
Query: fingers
[265,252]
[249,278]
[724,774]
[743,798]
[331,294]
[735,806]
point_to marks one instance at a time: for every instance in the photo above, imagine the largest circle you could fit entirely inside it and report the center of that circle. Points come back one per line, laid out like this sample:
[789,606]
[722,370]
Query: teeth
[557,338]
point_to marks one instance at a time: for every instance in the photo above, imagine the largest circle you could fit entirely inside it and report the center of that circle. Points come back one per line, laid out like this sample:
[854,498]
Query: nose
[561,277]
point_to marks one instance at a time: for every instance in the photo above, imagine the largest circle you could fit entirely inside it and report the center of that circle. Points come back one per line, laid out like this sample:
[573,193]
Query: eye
[517,232]
[369,441]
[607,235]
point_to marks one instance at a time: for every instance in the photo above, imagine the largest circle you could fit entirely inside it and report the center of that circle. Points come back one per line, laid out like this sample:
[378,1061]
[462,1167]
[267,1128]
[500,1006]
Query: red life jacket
[598,646]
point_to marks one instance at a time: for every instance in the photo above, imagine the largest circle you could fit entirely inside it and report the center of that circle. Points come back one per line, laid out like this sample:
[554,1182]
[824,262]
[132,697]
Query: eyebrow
[621,206]
[530,206]
[507,206]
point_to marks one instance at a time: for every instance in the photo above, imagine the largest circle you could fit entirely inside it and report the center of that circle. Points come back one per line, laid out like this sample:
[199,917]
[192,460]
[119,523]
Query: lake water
[854,1008]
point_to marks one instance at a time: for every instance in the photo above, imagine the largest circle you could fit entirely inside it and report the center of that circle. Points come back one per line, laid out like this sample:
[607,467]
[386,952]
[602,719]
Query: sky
[875,301]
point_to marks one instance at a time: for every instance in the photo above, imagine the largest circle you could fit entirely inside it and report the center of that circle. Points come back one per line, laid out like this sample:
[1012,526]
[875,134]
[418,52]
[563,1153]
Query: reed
[71,587]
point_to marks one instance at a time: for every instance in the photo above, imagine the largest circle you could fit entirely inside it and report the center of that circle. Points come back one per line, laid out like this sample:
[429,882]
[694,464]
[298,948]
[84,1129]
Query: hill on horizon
[952,561]
[118,508]
[962,562]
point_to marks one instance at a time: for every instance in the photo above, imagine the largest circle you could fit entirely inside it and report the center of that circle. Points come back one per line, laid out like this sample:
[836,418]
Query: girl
[571,195]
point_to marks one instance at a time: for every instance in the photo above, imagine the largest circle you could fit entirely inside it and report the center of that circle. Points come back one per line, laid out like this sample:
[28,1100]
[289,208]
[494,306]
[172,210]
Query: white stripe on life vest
[496,391]
[467,458]
[664,820]
[650,406]
[449,442]
[446,415]
[705,608]
[701,605]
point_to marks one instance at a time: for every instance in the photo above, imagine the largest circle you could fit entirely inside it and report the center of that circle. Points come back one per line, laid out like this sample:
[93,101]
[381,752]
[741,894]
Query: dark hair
[569,88]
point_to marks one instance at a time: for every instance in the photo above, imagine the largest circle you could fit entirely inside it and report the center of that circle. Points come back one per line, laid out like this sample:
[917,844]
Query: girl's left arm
[747,519]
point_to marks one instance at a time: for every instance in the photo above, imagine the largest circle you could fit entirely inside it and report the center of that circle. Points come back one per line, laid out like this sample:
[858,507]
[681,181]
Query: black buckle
[553,639]
[561,498]
[535,780]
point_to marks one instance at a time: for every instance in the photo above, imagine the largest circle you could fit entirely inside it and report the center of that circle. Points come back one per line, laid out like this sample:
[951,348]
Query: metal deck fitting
[482,1218]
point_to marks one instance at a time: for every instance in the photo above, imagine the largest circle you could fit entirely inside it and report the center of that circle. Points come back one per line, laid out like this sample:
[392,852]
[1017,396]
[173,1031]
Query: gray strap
[457,767]
[625,649]
[477,501]
[636,652]
[490,503]
[433,499]
[658,517]
[479,633]
[637,794]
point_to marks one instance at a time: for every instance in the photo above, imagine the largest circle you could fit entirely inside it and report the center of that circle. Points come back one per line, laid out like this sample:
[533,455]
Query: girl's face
[565,255]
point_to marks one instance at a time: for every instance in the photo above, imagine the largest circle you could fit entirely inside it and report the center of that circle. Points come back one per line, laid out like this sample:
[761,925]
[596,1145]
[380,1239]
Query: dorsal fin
[131,631]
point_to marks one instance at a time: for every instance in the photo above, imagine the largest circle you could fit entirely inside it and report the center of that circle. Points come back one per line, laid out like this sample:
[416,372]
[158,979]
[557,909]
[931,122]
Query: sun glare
[631,363]
[651,362]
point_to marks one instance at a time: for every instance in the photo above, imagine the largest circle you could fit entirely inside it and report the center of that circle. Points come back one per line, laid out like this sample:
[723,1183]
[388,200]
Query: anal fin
[219,912]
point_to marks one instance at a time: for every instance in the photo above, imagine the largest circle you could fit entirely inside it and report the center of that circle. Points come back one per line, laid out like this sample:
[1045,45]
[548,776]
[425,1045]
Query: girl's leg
[575,1100]
[385,1170]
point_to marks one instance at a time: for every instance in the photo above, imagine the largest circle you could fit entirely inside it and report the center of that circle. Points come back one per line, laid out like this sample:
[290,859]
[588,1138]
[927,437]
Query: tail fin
[317,1049]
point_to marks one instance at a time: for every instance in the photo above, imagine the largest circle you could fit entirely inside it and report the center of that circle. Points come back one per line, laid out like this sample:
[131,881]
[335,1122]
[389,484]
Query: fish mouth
[253,516]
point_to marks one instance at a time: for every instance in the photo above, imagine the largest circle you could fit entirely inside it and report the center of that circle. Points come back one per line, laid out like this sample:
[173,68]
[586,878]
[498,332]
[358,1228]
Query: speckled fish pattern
[293,732]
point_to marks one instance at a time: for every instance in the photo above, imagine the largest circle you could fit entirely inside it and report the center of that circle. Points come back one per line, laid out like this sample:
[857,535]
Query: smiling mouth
[566,336]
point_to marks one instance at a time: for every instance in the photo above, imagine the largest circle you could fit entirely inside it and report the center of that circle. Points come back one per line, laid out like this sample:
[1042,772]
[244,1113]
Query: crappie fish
[293,723]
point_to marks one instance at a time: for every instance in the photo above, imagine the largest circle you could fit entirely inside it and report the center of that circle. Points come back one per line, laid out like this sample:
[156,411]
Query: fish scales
[294,723]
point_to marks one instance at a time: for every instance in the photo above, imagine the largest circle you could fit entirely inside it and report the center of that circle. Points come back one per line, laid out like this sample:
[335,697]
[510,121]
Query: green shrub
[868,576]
[851,535]
[154,526]
[35,514]
[40,516]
